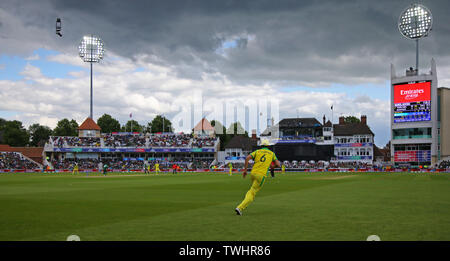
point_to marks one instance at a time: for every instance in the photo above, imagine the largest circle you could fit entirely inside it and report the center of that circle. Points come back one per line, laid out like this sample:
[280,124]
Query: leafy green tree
[65,127]
[14,134]
[219,129]
[221,132]
[108,124]
[148,128]
[351,119]
[74,125]
[237,129]
[225,135]
[132,124]
[156,125]
[39,134]
[2,123]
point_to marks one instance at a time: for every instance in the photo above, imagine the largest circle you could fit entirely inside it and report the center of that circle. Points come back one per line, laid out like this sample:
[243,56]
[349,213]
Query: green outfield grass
[194,206]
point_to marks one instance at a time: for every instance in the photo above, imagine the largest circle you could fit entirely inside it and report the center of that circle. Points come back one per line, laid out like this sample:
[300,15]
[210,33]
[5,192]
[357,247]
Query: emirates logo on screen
[416,92]
[411,94]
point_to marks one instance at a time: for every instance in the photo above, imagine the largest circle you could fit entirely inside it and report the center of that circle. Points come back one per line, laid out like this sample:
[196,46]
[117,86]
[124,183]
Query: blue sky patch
[374,91]
[229,44]
[53,69]
[8,115]
[139,69]
[226,45]
[11,66]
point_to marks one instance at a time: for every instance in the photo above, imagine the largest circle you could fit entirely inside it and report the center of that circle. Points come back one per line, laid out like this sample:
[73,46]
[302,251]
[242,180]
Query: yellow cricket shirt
[262,158]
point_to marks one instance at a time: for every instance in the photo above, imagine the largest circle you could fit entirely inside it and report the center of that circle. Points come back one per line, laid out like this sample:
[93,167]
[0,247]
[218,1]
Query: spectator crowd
[128,165]
[203,141]
[70,141]
[169,140]
[134,140]
[326,165]
[444,164]
[129,140]
[14,160]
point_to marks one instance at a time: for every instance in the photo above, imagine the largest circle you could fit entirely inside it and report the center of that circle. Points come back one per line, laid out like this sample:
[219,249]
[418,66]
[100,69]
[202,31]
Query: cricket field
[200,207]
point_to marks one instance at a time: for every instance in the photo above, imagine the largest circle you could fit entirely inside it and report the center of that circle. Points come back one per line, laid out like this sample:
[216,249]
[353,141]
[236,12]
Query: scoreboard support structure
[414,121]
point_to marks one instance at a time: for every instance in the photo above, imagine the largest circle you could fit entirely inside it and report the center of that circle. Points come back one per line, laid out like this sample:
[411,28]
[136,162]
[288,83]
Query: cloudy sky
[303,55]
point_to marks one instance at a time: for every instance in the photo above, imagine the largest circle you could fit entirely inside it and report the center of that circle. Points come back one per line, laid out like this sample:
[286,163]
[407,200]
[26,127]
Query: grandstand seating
[134,140]
[15,160]
[63,141]
[200,142]
[325,164]
[169,140]
[88,164]
[128,140]
[444,164]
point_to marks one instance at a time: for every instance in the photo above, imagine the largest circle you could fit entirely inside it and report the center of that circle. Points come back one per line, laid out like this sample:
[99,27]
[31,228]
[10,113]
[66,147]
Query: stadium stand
[127,140]
[127,165]
[326,165]
[15,161]
[134,140]
[31,154]
[62,141]
[169,140]
[444,164]
[203,141]
[131,150]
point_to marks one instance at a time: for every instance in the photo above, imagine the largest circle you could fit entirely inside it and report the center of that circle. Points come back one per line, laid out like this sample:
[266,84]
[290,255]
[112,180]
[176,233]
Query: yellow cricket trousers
[257,183]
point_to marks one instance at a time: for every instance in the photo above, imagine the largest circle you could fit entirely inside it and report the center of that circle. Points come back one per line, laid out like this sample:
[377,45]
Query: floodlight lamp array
[91,49]
[415,22]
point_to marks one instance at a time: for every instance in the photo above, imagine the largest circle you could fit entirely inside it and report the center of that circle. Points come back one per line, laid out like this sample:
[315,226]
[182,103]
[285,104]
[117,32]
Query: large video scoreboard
[412,102]
[412,156]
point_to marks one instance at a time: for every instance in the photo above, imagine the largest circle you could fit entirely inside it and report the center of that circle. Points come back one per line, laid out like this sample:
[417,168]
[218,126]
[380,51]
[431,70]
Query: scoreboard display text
[412,102]
[412,156]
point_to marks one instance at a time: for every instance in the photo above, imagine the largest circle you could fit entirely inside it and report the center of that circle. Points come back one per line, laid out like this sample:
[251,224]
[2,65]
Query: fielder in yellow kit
[262,158]
[157,168]
[75,169]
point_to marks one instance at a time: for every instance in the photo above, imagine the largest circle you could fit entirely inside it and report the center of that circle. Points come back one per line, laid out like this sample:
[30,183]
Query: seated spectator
[200,142]
[128,140]
[14,160]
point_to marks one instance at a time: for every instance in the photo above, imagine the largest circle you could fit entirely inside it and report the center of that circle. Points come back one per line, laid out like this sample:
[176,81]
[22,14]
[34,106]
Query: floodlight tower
[91,50]
[414,23]
[415,125]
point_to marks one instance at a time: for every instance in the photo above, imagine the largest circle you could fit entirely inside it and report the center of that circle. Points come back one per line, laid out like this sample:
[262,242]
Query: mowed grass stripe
[344,213]
[209,222]
[48,212]
[200,207]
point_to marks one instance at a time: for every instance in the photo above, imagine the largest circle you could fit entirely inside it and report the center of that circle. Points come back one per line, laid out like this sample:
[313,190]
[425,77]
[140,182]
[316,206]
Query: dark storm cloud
[290,42]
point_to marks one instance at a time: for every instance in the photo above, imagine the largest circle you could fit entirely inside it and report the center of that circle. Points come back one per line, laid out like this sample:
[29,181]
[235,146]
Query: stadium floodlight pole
[414,23]
[91,103]
[417,55]
[91,50]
